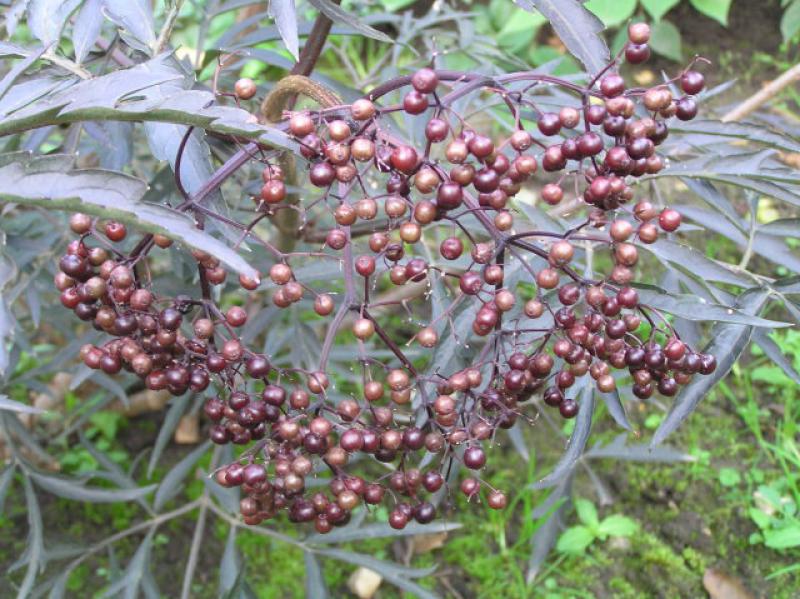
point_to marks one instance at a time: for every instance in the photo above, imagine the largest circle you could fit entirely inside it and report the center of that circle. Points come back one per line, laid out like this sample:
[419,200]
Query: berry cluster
[385,208]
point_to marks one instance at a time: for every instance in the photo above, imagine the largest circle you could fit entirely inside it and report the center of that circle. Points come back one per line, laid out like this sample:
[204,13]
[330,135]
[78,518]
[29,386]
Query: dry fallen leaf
[364,583]
[428,542]
[188,430]
[721,585]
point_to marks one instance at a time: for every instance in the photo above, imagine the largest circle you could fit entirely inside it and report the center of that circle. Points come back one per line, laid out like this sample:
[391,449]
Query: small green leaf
[729,477]
[658,8]
[652,421]
[666,40]
[612,12]
[783,538]
[618,525]
[716,9]
[575,540]
[587,513]
[790,22]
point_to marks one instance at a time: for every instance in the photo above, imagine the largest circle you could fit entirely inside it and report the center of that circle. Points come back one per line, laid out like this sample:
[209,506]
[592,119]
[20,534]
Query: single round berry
[692,82]
[245,88]
[612,85]
[637,53]
[425,80]
[686,109]
[568,408]
[669,219]
[639,33]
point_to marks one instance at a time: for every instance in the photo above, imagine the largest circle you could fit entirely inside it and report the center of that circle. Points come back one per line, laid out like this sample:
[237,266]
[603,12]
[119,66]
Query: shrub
[404,302]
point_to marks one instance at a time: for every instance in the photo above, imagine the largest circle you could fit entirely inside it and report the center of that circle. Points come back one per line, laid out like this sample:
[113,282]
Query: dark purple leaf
[285,15]
[70,488]
[641,452]
[315,581]
[579,29]
[615,408]
[728,341]
[691,307]
[337,15]
[88,23]
[577,442]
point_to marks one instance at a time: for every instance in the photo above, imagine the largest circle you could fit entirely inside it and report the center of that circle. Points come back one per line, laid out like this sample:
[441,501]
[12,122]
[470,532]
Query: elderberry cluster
[382,207]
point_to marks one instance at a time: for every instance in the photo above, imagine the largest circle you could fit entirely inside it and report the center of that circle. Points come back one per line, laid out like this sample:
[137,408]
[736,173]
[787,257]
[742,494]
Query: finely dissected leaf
[114,142]
[746,170]
[177,408]
[35,544]
[615,408]
[787,285]
[24,437]
[12,405]
[72,489]
[17,70]
[230,564]
[518,441]
[576,444]
[138,94]
[46,18]
[691,307]
[14,14]
[8,273]
[783,227]
[5,482]
[641,452]
[127,585]
[712,196]
[379,530]
[112,471]
[397,575]
[315,581]
[728,341]
[9,49]
[579,29]
[27,91]
[88,24]
[166,140]
[553,509]
[695,263]
[337,15]
[767,246]
[41,181]
[285,14]
[575,540]
[135,16]
[774,353]
[716,131]
[170,485]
